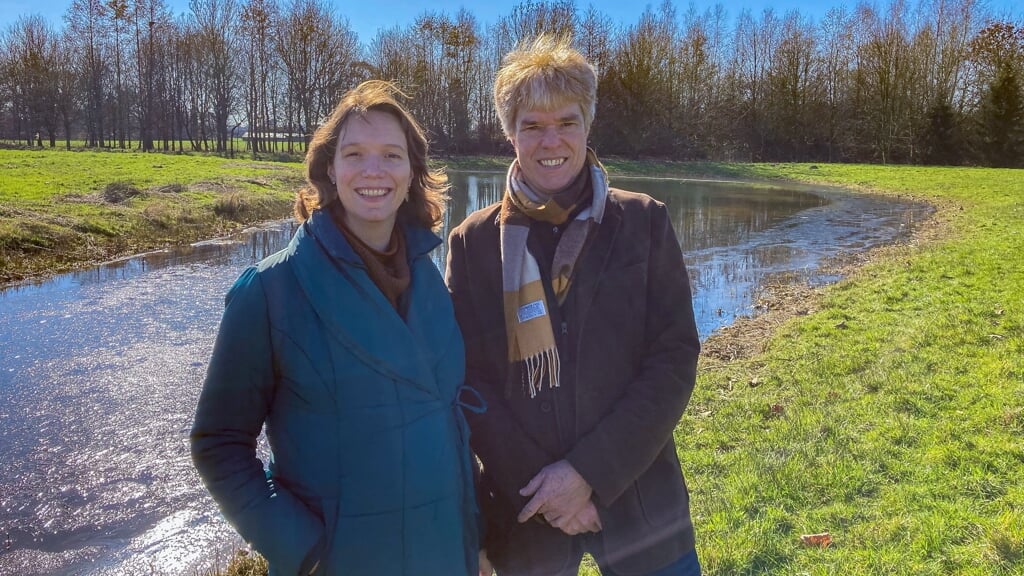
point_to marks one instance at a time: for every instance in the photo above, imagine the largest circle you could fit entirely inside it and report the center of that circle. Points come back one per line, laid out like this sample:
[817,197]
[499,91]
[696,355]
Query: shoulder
[482,221]
[633,201]
[272,272]
[635,208]
[272,268]
[419,241]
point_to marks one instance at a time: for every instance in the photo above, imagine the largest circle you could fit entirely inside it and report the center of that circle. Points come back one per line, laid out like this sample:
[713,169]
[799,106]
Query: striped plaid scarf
[531,340]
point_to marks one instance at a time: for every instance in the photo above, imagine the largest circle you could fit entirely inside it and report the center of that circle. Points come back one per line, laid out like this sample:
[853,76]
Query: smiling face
[372,173]
[551,146]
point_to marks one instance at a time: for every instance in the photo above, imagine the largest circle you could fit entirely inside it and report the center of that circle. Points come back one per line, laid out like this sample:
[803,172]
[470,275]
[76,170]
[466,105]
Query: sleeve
[626,442]
[236,397]
[509,455]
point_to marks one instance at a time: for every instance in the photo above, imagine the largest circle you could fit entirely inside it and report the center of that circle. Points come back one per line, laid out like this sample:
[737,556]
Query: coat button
[545,406]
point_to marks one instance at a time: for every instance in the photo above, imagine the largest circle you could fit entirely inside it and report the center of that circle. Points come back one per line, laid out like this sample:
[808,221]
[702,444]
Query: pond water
[100,370]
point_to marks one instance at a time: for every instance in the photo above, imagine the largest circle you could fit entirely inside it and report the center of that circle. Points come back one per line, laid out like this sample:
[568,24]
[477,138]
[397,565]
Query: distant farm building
[273,137]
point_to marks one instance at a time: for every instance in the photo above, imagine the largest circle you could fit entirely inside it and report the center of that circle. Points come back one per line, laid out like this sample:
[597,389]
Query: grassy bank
[888,412]
[62,210]
[891,416]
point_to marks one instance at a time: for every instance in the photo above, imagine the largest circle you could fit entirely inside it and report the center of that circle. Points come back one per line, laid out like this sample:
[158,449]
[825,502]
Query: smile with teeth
[552,162]
[372,192]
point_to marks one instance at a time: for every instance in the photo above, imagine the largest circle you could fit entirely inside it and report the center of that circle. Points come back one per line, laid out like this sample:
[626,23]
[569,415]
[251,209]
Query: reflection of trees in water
[243,250]
[263,243]
[718,226]
[708,215]
[704,214]
[469,193]
[732,235]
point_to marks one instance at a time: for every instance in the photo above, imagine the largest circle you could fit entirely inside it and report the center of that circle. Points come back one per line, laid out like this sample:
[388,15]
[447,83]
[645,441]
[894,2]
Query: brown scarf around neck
[389,270]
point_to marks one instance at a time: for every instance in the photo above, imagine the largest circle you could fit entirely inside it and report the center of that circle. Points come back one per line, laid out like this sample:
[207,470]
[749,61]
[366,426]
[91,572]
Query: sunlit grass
[898,421]
[60,210]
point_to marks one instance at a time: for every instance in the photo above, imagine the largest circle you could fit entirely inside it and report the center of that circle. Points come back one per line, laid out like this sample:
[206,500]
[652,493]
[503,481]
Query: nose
[373,165]
[549,137]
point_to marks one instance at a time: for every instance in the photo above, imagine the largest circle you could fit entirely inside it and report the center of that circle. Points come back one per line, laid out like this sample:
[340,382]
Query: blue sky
[366,17]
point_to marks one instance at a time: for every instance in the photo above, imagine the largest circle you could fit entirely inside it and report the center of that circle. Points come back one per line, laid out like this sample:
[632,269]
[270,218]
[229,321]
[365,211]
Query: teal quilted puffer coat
[371,471]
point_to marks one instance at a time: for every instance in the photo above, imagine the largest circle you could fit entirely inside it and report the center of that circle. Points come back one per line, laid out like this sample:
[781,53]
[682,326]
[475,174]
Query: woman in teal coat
[345,346]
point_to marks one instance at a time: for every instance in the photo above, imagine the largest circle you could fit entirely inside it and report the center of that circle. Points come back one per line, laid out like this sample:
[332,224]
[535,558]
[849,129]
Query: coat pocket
[661,493]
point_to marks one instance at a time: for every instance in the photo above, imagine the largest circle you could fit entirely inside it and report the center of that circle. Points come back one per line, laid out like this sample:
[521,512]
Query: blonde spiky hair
[543,75]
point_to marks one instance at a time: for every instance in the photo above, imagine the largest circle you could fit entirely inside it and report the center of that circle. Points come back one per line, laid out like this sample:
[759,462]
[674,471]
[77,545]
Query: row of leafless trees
[936,82]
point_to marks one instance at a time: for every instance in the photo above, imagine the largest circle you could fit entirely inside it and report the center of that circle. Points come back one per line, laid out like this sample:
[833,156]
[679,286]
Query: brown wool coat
[628,346]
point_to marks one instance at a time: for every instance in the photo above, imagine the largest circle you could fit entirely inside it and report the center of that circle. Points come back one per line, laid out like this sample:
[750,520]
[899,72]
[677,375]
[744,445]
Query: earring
[332,179]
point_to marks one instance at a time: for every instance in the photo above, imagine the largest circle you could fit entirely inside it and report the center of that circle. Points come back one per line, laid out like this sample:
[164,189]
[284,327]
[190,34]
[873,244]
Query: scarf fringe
[536,367]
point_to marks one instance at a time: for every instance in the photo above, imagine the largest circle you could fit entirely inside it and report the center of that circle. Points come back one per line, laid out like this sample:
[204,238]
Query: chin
[558,185]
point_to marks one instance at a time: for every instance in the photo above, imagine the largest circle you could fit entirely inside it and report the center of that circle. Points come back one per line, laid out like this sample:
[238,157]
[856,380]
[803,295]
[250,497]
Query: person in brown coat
[576,309]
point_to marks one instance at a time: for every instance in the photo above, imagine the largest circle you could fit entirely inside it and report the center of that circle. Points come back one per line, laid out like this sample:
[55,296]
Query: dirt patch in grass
[175,188]
[213,186]
[118,192]
[261,165]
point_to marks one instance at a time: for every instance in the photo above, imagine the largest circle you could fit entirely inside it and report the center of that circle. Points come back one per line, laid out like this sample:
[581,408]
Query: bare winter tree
[636,101]
[529,19]
[259,61]
[997,53]
[117,15]
[31,67]
[317,50]
[67,103]
[932,81]
[796,98]
[701,63]
[884,82]
[214,47]
[755,43]
[149,21]
[836,50]
[86,27]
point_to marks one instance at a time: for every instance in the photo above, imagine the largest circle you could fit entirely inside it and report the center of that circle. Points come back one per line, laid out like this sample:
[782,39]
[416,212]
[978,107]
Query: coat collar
[418,240]
[592,265]
[359,317]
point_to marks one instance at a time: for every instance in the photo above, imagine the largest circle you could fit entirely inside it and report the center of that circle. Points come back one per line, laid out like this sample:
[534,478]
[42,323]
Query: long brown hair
[428,189]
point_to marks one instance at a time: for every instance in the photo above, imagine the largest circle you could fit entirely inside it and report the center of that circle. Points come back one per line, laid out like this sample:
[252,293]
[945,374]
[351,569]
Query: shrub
[244,563]
[117,192]
[160,214]
[230,205]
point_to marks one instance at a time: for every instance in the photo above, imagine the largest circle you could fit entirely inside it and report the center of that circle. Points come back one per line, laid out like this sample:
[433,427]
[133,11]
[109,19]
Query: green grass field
[891,417]
[61,210]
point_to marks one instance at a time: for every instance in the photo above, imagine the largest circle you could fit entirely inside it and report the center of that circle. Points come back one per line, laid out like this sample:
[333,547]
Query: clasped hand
[562,497]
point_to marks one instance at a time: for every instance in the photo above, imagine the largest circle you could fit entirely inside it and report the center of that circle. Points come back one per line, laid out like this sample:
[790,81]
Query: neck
[376,235]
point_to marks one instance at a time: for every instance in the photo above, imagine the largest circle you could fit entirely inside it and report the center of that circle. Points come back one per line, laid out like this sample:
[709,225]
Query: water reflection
[100,370]
[251,245]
